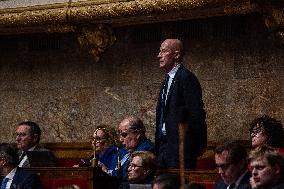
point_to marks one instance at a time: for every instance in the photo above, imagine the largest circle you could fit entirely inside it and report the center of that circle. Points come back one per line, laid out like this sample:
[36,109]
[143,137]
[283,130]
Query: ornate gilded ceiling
[61,17]
[85,17]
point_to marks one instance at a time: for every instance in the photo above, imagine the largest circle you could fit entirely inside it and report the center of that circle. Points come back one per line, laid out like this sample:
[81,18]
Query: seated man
[132,135]
[27,139]
[15,177]
[231,161]
[142,167]
[267,167]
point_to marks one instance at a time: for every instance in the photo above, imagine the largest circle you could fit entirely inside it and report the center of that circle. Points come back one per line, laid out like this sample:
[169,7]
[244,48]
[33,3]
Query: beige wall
[239,65]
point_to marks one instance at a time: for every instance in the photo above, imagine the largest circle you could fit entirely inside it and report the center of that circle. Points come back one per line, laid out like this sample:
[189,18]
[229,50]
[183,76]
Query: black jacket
[184,105]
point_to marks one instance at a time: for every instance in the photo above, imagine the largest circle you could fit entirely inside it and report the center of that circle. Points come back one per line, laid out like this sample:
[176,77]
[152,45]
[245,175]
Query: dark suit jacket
[244,184]
[184,105]
[144,145]
[25,180]
[279,185]
[50,160]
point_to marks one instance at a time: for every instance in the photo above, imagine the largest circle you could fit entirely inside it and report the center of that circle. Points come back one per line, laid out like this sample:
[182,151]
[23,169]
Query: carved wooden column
[96,39]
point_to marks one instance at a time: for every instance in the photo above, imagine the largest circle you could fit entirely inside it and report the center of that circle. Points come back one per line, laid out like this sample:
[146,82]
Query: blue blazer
[144,145]
[25,180]
[244,184]
[184,105]
[109,157]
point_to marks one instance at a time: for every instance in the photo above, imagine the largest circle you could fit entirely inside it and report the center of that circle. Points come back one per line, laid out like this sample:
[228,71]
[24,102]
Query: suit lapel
[26,163]
[173,84]
[16,180]
[245,181]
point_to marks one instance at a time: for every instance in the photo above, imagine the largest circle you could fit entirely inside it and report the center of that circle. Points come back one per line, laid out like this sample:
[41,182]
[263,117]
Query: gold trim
[117,13]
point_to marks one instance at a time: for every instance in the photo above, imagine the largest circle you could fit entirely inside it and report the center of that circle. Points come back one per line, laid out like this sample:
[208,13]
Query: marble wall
[49,79]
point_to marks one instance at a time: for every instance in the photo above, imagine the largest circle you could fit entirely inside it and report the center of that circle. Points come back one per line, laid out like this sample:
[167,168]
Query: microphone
[119,169]
[94,160]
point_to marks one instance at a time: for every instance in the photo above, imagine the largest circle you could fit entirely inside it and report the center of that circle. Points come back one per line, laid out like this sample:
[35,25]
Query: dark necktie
[163,104]
[232,186]
[22,156]
[4,183]
[165,88]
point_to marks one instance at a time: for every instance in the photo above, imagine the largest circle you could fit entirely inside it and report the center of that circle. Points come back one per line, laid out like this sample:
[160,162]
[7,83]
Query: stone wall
[49,79]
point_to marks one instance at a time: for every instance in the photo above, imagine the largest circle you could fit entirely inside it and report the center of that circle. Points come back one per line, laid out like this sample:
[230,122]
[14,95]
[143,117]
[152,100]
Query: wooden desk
[85,177]
[196,176]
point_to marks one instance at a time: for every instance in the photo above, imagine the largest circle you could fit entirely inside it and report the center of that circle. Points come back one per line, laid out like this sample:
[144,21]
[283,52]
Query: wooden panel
[49,173]
[84,149]
[96,178]
[196,176]
[70,150]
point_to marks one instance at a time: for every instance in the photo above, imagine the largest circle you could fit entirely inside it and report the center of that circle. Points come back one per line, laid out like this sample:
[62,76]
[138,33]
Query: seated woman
[142,167]
[105,149]
[267,130]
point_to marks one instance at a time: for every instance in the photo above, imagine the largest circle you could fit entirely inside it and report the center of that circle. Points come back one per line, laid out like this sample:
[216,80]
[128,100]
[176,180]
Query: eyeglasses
[98,138]
[123,134]
[255,131]
[133,166]
[223,166]
[20,134]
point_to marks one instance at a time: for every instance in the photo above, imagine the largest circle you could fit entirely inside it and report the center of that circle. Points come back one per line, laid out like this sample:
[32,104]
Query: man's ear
[35,138]
[138,136]
[4,163]
[177,55]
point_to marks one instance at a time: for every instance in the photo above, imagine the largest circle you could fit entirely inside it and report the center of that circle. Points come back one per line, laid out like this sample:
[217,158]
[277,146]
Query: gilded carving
[116,12]
[64,17]
[96,39]
[274,19]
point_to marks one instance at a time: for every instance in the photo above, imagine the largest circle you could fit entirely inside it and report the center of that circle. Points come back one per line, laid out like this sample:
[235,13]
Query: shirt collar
[174,71]
[240,178]
[10,176]
[32,148]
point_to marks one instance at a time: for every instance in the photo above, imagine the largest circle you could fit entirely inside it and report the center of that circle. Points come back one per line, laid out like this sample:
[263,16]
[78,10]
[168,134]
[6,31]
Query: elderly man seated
[132,135]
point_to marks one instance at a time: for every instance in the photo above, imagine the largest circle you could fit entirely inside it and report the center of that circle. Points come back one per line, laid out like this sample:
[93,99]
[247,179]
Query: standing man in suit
[27,139]
[180,107]
[15,177]
[231,161]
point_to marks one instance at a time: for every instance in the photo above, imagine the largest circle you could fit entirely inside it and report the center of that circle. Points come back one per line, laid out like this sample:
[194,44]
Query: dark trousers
[165,162]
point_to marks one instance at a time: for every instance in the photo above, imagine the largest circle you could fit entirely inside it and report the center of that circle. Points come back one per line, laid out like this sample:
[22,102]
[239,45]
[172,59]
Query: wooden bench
[84,177]
[68,153]
[206,178]
[89,177]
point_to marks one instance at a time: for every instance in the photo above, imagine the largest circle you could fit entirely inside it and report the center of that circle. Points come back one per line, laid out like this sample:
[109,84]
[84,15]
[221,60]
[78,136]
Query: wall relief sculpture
[96,39]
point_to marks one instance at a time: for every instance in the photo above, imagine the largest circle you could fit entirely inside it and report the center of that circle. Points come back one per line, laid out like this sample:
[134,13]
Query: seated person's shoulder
[140,186]
[41,158]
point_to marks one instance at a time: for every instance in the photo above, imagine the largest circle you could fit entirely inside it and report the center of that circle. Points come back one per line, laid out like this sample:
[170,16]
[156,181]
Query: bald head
[131,132]
[171,53]
[174,44]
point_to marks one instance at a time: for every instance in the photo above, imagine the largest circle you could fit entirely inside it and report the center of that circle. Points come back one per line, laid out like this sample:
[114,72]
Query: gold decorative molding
[96,39]
[116,13]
